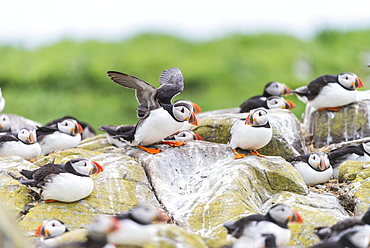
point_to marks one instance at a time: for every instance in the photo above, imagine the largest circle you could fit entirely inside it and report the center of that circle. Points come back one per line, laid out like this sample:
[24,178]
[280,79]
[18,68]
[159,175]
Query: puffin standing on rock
[64,134]
[330,91]
[255,226]
[251,133]
[314,168]
[159,117]
[64,183]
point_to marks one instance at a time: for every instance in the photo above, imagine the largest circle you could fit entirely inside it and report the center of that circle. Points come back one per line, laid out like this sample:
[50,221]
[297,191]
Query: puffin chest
[67,187]
[157,126]
[333,95]
[247,137]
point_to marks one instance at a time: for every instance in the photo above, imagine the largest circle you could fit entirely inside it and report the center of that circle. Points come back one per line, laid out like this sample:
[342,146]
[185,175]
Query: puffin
[275,88]
[159,117]
[184,135]
[2,101]
[88,130]
[314,168]
[271,102]
[335,232]
[330,91]
[360,152]
[137,227]
[11,123]
[352,239]
[251,133]
[50,229]
[143,215]
[274,222]
[61,135]
[23,144]
[70,182]
[267,240]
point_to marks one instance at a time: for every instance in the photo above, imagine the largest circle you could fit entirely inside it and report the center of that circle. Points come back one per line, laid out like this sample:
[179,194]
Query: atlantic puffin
[137,227]
[271,102]
[64,183]
[159,117]
[275,88]
[11,123]
[330,91]
[267,240]
[184,135]
[49,229]
[335,232]
[352,239]
[251,133]
[314,168]
[65,134]
[88,130]
[359,152]
[23,144]
[274,222]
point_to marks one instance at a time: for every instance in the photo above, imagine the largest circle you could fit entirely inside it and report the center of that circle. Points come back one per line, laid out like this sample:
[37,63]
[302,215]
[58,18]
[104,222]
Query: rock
[287,141]
[327,127]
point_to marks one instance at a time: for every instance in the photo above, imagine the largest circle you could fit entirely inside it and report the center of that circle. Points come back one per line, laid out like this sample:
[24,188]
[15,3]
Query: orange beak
[98,169]
[360,83]
[287,91]
[197,136]
[193,119]
[249,120]
[289,104]
[39,230]
[296,217]
[196,107]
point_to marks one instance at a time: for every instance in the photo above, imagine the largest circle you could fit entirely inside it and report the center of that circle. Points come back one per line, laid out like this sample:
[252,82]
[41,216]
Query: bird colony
[164,121]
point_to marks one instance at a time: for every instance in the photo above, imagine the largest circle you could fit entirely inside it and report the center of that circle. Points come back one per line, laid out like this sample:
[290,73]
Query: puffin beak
[193,119]
[39,230]
[296,217]
[161,217]
[79,128]
[98,168]
[197,136]
[196,107]
[32,137]
[286,91]
[289,104]
[360,84]
[115,225]
[249,120]
[322,164]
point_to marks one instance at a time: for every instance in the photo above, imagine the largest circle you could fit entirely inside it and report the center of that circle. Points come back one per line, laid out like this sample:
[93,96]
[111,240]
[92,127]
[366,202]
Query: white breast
[256,229]
[247,137]
[311,176]
[333,95]
[58,141]
[157,126]
[67,187]
[20,149]
[132,233]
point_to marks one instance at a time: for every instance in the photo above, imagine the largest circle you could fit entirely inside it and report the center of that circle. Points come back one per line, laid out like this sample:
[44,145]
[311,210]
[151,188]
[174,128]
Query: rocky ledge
[200,185]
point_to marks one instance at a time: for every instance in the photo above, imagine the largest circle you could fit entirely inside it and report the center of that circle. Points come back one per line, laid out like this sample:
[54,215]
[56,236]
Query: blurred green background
[69,77]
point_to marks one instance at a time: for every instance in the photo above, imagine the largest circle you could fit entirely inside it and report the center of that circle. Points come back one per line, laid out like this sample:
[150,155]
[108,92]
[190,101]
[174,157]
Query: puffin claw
[150,150]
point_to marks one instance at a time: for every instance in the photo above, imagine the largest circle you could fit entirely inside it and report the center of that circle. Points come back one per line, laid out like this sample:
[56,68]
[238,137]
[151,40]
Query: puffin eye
[182,110]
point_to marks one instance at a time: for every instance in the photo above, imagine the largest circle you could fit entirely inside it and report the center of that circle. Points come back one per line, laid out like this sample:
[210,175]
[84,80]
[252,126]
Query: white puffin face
[53,227]
[258,117]
[276,103]
[148,214]
[319,161]
[182,112]
[84,166]
[282,214]
[348,80]
[101,226]
[68,126]
[4,122]
[276,89]
[27,136]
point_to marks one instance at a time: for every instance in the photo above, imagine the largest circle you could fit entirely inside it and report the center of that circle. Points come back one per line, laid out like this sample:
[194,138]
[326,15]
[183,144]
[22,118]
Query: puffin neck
[283,225]
[69,168]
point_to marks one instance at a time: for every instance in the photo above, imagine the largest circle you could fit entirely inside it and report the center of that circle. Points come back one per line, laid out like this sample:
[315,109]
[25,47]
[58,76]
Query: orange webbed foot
[150,150]
[238,155]
[332,109]
[257,154]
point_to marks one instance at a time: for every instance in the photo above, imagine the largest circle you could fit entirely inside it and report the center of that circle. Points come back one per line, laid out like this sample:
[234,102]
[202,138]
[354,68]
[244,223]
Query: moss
[349,170]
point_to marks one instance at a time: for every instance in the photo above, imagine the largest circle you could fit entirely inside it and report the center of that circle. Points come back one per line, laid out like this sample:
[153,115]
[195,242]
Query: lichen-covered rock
[327,127]
[358,176]
[287,141]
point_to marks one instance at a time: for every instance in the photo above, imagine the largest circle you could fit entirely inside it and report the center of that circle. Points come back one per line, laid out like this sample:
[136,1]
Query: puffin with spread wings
[159,117]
